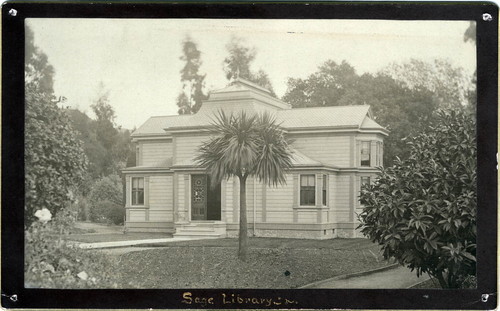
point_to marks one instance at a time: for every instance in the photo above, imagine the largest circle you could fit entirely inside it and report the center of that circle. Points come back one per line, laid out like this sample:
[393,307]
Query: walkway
[137,242]
[397,277]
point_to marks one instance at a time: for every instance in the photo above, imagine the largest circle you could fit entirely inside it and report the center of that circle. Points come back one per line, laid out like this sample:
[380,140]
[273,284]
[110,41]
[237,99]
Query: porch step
[203,229]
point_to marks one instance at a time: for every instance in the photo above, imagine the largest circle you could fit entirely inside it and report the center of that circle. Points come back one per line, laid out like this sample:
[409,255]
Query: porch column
[296,190]
[187,197]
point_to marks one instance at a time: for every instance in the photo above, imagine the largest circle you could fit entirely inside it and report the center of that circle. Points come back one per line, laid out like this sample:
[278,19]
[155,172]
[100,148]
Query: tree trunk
[243,234]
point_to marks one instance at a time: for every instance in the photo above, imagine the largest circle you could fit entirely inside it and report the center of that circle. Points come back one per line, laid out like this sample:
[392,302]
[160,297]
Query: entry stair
[197,229]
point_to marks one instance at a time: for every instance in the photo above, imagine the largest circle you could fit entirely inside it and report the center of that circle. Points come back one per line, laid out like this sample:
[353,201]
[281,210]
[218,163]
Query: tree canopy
[450,85]
[422,210]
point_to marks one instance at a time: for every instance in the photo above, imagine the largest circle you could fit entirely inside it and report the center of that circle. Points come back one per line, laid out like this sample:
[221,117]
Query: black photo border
[12,255]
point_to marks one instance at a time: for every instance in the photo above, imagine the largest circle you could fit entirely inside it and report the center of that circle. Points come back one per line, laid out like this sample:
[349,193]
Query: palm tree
[245,145]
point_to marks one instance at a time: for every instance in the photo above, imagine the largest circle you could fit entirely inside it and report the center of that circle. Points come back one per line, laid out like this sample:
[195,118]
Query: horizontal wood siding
[342,208]
[328,149]
[156,216]
[186,147]
[279,202]
[137,215]
[154,152]
[160,198]
[308,217]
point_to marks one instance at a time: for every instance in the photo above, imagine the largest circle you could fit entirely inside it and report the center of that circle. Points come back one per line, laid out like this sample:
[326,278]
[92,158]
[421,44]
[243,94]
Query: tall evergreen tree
[106,133]
[192,95]
[238,63]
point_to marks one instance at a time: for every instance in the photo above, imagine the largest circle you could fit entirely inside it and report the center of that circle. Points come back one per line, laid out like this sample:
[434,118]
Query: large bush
[54,159]
[423,209]
[107,189]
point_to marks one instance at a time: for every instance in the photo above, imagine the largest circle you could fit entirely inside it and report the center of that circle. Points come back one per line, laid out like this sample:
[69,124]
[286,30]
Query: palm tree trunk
[243,234]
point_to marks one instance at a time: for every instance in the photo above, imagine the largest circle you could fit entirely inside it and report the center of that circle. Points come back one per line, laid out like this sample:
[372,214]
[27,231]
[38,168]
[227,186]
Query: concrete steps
[196,230]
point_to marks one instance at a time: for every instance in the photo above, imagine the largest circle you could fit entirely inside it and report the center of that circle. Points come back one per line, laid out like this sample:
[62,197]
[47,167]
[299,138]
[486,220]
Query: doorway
[205,200]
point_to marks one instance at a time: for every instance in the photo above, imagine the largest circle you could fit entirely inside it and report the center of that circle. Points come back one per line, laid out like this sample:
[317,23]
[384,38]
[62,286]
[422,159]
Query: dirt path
[399,277]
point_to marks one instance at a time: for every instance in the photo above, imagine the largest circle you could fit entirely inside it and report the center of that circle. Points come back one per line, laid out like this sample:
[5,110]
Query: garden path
[398,277]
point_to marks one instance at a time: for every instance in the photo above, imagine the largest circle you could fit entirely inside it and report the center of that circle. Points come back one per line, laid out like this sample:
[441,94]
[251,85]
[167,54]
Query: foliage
[193,82]
[50,262]
[243,146]
[54,159]
[115,213]
[423,209]
[107,189]
[325,87]
[37,71]
[102,161]
[398,108]
[237,64]
[449,84]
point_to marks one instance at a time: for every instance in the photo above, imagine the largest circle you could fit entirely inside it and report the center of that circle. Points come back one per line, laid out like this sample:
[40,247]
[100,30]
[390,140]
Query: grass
[273,263]
[113,237]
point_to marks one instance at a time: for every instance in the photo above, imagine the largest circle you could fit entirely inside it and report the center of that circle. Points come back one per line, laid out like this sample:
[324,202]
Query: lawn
[273,263]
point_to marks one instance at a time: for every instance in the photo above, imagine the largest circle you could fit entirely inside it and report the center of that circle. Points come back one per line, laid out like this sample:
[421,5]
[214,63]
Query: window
[324,189]
[307,190]
[365,180]
[138,191]
[365,153]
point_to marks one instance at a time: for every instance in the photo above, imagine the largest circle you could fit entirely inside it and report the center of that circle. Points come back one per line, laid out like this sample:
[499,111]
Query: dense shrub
[423,210]
[50,262]
[116,214]
[109,212]
[54,159]
[107,189]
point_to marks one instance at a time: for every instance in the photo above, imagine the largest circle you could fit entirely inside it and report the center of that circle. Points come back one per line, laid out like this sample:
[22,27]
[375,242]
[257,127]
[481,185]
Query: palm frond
[245,145]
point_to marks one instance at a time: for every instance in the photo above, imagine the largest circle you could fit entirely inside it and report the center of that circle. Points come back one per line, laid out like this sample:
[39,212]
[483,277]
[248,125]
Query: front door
[205,201]
[199,197]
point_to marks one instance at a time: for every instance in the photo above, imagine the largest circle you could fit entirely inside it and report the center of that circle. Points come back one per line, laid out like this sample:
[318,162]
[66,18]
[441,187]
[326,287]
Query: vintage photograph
[250,153]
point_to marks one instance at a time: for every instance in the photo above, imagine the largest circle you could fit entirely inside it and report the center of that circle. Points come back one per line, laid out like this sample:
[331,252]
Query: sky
[139,60]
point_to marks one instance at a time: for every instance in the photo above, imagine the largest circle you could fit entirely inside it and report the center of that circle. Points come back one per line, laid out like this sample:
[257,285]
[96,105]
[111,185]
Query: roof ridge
[172,115]
[343,106]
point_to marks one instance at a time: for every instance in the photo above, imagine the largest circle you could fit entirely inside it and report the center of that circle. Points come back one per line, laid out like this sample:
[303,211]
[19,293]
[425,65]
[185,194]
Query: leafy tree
[107,189]
[423,209]
[237,64]
[398,108]
[37,70]
[54,164]
[243,146]
[106,132]
[325,87]
[193,82]
[449,84]
[54,158]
